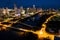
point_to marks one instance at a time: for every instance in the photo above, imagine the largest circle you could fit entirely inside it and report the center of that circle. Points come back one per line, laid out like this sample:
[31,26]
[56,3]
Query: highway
[41,33]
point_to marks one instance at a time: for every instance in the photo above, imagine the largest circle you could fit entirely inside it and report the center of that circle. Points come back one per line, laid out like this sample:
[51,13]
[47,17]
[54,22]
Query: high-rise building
[15,8]
[34,8]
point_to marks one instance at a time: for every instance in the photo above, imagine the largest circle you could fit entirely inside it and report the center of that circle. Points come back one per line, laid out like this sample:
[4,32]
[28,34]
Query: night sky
[29,3]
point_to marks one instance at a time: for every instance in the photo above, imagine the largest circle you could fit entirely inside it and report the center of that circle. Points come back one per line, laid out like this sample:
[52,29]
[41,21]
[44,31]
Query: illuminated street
[29,20]
[26,25]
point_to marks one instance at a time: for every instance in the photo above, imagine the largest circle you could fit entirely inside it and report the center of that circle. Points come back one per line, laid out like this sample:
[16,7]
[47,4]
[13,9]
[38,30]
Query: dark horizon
[28,3]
